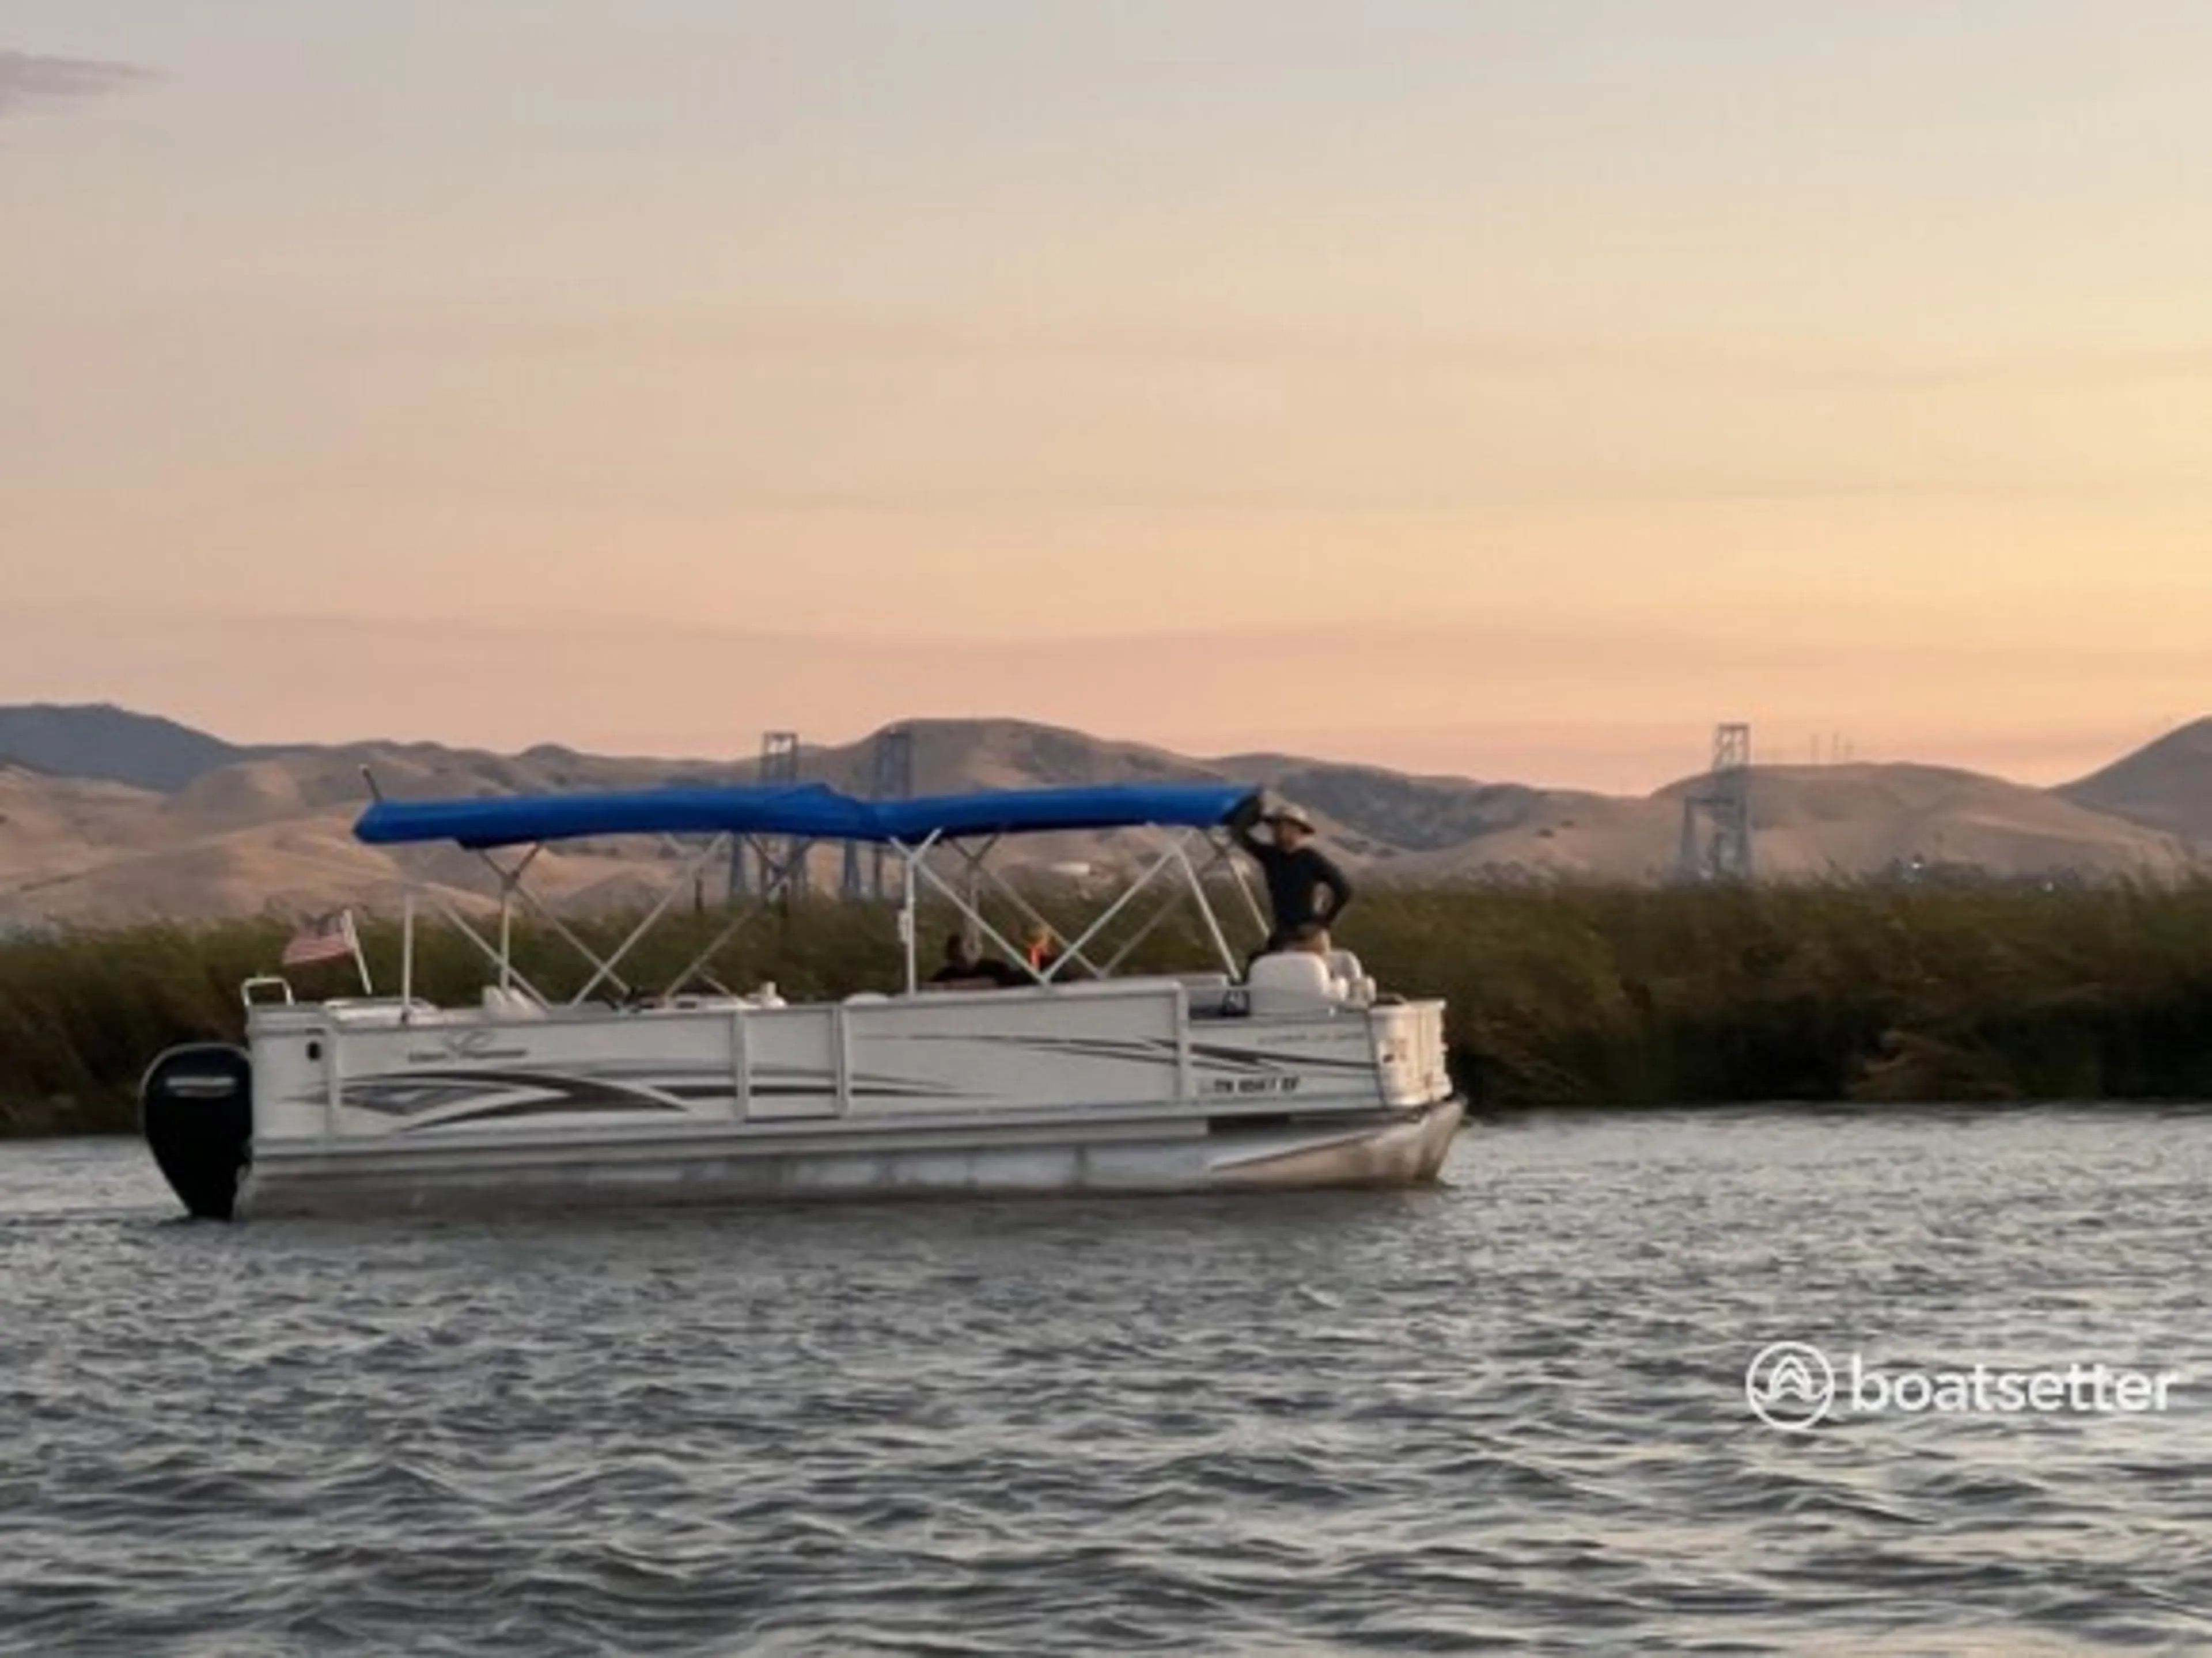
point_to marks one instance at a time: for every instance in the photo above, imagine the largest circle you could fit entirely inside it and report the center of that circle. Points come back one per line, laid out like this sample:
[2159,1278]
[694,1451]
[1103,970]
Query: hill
[1821,822]
[109,744]
[263,829]
[2166,785]
[1811,821]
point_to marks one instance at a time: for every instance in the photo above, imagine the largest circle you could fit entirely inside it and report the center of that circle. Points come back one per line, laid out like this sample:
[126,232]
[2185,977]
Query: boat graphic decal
[825,1091]
[543,1109]
[416,1094]
[716,1081]
[1161,1050]
[402,1096]
[423,1099]
[1245,1058]
[1151,1049]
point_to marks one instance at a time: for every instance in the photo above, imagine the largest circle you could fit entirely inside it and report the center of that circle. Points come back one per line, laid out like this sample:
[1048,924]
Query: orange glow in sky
[1506,389]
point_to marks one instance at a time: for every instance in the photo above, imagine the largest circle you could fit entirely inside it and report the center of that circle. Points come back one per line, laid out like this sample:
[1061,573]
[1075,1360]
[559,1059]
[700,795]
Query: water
[1505,1415]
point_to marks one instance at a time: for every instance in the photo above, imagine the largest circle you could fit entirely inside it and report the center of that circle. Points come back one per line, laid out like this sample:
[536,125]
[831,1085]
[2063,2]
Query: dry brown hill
[1853,819]
[271,830]
[49,825]
[1824,821]
[2164,785]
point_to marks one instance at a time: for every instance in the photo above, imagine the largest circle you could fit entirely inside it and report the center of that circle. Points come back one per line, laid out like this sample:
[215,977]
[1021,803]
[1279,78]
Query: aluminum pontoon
[1297,1074]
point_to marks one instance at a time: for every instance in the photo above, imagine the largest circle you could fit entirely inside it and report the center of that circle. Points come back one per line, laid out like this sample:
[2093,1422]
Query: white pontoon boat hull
[1156,1159]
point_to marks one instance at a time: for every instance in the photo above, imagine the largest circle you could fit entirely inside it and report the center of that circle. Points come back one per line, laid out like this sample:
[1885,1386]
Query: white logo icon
[1789,1385]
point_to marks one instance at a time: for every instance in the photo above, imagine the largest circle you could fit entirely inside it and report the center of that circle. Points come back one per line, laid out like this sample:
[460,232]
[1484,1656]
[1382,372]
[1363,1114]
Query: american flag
[325,939]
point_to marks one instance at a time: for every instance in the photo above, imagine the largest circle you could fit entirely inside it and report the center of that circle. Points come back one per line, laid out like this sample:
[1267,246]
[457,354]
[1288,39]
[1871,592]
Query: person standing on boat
[1306,891]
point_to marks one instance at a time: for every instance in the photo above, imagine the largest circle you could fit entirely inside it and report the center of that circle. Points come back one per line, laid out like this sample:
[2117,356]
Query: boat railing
[758,1045]
[263,981]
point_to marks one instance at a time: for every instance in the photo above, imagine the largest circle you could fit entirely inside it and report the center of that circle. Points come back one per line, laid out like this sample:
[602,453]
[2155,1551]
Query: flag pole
[360,960]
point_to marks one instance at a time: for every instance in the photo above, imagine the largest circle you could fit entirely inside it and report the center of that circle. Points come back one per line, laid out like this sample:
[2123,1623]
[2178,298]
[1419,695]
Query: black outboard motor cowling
[195,1109]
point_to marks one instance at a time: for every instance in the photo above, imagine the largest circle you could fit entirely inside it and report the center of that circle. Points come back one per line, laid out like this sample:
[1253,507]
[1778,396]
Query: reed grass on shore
[1560,994]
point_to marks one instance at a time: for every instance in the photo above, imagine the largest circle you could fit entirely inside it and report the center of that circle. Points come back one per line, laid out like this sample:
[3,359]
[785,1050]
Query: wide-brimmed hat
[1284,813]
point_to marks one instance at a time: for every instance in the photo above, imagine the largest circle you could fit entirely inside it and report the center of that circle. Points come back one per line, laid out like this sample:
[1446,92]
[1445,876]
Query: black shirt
[987,972]
[1295,882]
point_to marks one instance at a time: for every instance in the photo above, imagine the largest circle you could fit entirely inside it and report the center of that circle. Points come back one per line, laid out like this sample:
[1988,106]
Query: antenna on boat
[369,778]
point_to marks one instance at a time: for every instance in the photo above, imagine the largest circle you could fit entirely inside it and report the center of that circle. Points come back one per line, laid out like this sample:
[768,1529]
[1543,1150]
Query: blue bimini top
[810,811]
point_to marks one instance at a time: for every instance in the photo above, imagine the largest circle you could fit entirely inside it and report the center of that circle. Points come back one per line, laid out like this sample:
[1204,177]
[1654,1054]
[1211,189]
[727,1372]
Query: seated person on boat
[965,969]
[1047,958]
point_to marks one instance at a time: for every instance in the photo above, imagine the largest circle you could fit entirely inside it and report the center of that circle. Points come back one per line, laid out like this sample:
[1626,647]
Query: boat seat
[1292,982]
[1354,984]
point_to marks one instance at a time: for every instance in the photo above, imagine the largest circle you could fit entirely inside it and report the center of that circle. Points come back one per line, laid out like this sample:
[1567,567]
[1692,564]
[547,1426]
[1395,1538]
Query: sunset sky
[1511,389]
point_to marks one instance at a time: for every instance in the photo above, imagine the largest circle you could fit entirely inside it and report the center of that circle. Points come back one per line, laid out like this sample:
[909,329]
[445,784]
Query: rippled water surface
[1506,1414]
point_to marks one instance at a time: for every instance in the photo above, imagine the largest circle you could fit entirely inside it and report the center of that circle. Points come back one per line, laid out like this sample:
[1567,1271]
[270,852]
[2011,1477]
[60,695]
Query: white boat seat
[1293,981]
[1354,984]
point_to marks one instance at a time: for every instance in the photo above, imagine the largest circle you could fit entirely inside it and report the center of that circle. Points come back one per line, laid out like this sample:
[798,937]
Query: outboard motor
[196,1108]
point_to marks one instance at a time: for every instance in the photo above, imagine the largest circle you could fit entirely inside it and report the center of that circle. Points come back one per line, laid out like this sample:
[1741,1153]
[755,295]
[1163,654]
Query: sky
[1507,388]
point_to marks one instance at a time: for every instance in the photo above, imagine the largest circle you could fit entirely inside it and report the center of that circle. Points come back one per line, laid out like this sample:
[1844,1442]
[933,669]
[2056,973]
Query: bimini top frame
[1181,815]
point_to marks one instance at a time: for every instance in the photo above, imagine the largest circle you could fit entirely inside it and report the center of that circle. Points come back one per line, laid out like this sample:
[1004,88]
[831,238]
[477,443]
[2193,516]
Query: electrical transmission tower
[1717,818]
[779,763]
[891,778]
[779,757]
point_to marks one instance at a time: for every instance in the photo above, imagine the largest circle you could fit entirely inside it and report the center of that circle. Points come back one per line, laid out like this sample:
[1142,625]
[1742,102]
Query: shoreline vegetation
[1559,995]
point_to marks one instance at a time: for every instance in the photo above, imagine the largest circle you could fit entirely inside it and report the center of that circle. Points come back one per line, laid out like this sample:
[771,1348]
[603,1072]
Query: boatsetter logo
[1792,1386]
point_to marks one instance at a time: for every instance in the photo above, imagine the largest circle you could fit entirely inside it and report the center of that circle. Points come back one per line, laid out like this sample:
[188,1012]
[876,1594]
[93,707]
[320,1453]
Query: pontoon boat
[1295,1074]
